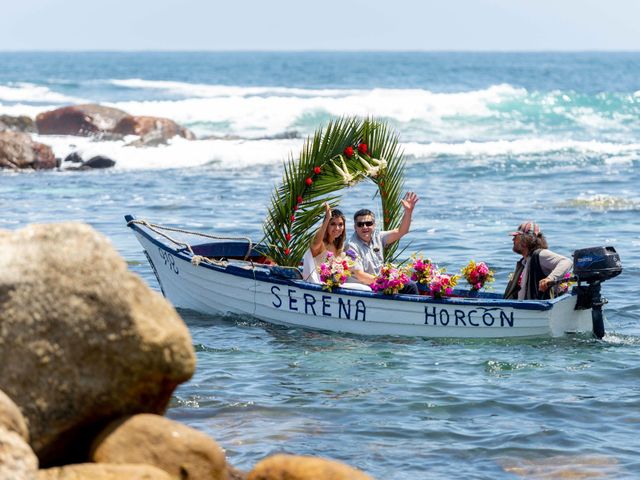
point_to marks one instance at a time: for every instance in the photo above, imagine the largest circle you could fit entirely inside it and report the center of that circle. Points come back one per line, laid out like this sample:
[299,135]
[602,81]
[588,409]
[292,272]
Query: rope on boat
[195,259]
[198,259]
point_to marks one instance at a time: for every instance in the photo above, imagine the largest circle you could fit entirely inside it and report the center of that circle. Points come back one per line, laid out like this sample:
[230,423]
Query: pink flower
[477,274]
[390,280]
[334,271]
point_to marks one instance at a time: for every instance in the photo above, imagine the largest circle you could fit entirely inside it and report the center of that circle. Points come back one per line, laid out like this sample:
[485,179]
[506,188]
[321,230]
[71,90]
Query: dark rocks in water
[152,130]
[17,124]
[73,157]
[19,151]
[99,161]
[84,120]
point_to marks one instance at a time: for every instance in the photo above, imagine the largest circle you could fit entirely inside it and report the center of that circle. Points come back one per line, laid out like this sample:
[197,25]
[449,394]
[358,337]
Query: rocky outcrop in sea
[19,151]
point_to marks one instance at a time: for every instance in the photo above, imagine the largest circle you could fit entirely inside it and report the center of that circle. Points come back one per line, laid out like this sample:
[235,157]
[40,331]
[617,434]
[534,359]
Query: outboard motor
[593,266]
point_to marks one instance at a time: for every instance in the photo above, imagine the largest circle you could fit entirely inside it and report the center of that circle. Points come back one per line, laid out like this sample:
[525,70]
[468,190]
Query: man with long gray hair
[539,269]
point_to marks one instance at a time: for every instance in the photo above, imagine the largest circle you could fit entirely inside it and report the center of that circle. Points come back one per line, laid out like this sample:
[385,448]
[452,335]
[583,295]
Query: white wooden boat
[227,277]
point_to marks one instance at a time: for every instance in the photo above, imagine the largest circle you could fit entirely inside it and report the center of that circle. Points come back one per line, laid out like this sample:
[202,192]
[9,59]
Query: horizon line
[313,51]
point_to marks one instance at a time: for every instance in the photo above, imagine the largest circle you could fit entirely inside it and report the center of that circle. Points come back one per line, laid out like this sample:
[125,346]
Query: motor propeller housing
[596,264]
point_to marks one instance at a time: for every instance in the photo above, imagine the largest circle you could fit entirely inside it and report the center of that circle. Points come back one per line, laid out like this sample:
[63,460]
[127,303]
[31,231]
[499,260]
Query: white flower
[374,168]
[348,179]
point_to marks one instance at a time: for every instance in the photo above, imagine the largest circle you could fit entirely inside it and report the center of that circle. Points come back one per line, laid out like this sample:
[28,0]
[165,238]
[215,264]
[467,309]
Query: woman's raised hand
[327,210]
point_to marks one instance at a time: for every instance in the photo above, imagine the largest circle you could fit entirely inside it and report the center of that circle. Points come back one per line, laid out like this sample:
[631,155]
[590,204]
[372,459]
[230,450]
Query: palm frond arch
[345,152]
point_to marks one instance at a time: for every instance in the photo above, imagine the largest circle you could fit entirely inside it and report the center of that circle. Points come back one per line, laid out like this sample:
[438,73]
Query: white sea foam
[267,111]
[179,153]
[28,92]
[200,90]
[531,146]
[22,109]
[241,154]
[602,202]
[253,112]
[418,114]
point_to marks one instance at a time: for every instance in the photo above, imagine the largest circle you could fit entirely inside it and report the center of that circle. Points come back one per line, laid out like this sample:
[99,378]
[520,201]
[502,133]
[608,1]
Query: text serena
[311,305]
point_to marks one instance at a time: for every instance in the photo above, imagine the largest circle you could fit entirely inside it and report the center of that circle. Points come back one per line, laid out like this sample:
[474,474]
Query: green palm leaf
[318,175]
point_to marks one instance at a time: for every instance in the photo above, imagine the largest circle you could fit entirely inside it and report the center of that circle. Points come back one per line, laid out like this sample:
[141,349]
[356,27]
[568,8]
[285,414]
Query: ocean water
[490,140]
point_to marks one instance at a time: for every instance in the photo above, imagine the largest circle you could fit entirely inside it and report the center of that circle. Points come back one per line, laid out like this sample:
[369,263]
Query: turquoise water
[490,140]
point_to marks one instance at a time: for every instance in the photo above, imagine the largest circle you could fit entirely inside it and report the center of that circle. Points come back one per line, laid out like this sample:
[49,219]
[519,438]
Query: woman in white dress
[330,237]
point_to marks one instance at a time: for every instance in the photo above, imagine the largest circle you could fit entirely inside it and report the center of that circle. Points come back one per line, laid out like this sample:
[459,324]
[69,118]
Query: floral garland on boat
[432,279]
[345,152]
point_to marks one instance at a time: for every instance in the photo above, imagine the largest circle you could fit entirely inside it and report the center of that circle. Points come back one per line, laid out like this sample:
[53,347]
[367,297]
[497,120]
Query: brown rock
[152,128]
[17,460]
[11,418]
[84,120]
[83,340]
[18,150]
[104,471]
[177,449]
[17,124]
[293,467]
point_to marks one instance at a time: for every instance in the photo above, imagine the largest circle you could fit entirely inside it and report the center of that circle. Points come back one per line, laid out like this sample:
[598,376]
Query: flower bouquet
[335,270]
[477,274]
[390,280]
[441,284]
[422,270]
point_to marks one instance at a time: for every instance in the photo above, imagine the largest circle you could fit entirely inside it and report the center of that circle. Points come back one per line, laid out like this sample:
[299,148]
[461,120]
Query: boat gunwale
[539,305]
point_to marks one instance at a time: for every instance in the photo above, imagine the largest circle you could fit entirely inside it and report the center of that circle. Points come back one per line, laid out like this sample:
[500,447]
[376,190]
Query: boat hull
[244,288]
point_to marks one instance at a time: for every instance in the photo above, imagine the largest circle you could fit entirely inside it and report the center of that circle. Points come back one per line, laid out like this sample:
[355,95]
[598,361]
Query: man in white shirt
[369,243]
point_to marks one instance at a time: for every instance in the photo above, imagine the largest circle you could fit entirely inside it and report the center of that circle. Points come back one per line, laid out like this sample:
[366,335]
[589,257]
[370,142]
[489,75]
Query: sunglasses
[365,224]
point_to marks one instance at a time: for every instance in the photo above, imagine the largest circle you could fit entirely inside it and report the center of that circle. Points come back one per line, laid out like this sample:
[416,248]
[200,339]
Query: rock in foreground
[177,449]
[83,340]
[11,418]
[17,460]
[102,471]
[293,467]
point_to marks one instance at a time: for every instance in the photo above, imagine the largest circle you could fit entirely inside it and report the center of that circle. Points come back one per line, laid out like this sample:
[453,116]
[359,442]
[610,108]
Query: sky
[407,25]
